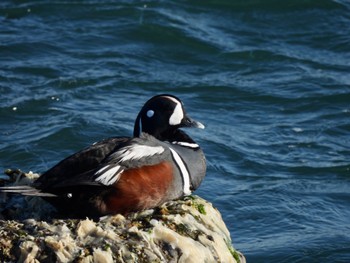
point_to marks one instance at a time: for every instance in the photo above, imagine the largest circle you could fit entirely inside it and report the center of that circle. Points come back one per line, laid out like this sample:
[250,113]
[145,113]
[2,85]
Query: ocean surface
[270,79]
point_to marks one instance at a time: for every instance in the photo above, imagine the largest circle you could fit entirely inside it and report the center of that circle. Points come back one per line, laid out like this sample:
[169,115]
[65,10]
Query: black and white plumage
[119,175]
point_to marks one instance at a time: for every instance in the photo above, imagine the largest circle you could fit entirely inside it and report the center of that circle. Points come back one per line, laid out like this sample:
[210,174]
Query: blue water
[270,79]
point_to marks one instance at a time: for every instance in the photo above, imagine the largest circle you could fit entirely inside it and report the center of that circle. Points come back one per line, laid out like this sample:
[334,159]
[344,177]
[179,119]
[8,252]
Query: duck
[120,175]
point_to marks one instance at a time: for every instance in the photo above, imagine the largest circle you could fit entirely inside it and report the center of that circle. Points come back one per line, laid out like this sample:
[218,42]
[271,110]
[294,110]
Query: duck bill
[188,122]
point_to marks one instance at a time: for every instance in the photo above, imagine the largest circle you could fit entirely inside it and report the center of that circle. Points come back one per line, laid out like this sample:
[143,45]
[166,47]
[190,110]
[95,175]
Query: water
[270,79]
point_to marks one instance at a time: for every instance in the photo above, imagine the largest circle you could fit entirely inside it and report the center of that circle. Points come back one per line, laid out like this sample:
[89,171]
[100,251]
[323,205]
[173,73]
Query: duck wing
[79,163]
[105,168]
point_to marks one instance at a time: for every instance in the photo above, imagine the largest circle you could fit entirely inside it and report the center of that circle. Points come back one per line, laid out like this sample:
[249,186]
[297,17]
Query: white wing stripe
[136,152]
[102,169]
[109,176]
[184,173]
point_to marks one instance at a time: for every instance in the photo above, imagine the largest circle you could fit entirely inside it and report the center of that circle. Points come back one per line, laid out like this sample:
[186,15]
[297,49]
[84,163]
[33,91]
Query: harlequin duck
[122,175]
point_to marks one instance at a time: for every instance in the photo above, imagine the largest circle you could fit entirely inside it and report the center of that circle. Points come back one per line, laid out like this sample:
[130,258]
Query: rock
[185,230]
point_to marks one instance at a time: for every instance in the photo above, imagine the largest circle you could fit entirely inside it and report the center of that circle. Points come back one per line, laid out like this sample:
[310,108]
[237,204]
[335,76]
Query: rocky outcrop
[186,230]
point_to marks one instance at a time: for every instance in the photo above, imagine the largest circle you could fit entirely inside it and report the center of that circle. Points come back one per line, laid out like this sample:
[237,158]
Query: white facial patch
[177,116]
[150,113]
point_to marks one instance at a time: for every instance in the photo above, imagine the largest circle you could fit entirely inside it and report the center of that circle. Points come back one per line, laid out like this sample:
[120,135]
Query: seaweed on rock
[185,230]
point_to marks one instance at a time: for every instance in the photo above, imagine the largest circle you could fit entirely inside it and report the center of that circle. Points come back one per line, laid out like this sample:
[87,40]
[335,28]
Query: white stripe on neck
[183,170]
[140,126]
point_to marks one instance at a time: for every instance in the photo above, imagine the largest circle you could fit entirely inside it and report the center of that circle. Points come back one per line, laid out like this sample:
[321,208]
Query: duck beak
[188,122]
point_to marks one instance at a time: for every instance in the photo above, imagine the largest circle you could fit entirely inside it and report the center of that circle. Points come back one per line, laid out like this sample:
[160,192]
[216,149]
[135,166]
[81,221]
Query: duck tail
[24,190]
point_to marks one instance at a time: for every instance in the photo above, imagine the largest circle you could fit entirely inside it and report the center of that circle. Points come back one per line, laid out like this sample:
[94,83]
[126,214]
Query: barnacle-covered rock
[185,230]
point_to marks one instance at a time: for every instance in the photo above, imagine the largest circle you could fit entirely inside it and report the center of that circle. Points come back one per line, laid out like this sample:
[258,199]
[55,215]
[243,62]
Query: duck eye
[150,113]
